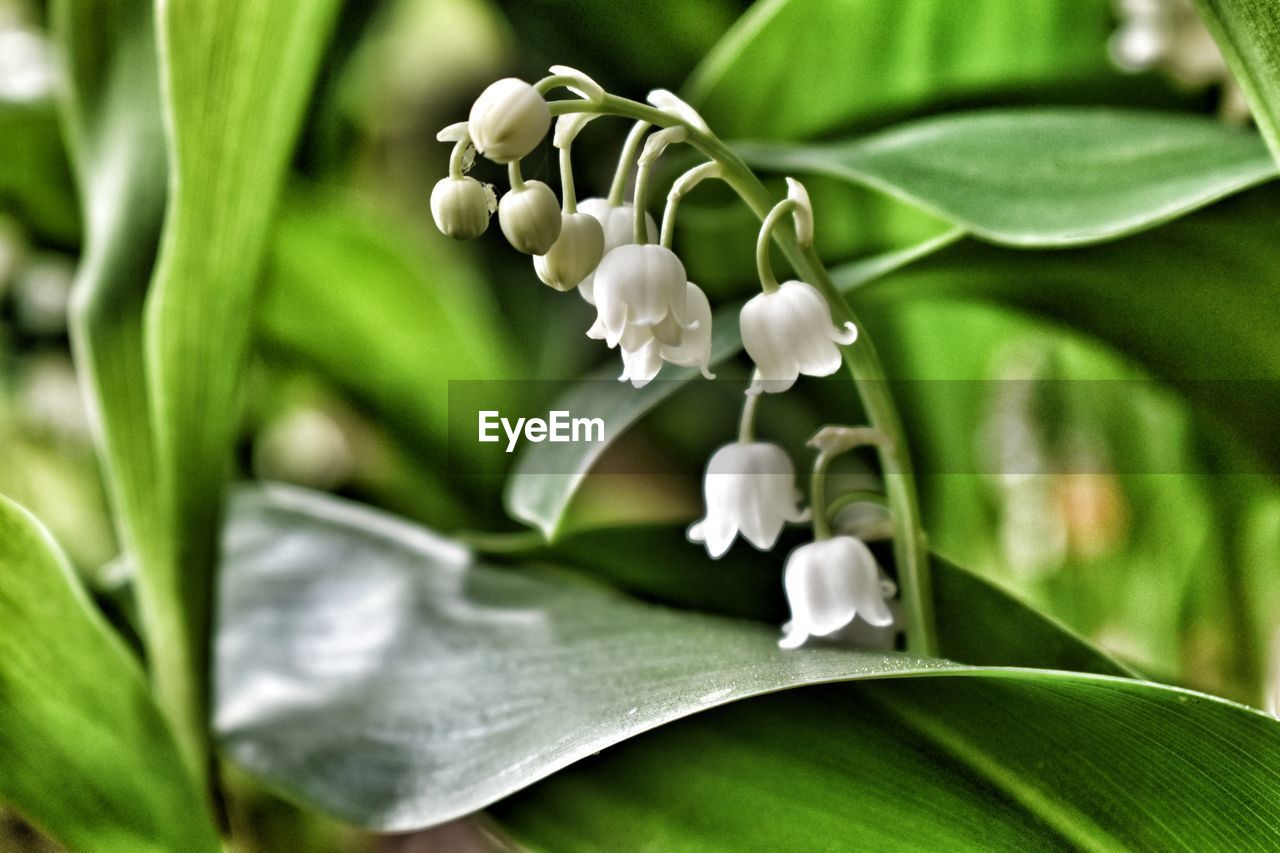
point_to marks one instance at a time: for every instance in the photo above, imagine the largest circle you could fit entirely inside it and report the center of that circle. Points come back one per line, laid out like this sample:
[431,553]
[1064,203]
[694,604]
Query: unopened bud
[576,253]
[508,120]
[530,218]
[461,207]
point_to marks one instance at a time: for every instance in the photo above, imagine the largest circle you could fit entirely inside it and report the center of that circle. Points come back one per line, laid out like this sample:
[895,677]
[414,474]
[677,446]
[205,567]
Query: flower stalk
[862,362]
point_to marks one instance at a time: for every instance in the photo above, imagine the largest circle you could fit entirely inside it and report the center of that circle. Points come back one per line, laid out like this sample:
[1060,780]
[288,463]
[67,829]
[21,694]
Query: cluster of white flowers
[613,252]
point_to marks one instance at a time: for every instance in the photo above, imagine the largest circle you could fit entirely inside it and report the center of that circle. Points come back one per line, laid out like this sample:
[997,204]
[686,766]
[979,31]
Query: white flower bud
[641,292]
[789,332]
[461,207]
[749,488]
[508,120]
[575,253]
[694,349]
[530,218]
[618,222]
[828,583]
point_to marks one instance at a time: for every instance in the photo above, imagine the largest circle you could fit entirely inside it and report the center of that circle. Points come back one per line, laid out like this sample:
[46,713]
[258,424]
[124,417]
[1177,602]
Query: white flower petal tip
[706,374]
[668,102]
[749,489]
[803,214]
[580,84]
[847,335]
[638,286]
[789,332]
[455,132]
[829,583]
[792,639]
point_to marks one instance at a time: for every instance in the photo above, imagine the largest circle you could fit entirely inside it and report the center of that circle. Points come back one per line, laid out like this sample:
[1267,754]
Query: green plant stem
[818,497]
[857,496]
[682,186]
[618,190]
[569,195]
[514,175]
[768,281]
[861,359]
[455,159]
[747,425]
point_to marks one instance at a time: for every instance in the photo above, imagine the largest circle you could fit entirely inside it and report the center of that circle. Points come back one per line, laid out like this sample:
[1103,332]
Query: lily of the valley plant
[613,252]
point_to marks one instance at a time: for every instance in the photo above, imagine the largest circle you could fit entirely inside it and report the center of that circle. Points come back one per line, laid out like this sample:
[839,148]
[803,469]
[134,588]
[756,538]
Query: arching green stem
[747,424]
[857,496]
[683,186]
[514,175]
[458,159]
[818,497]
[570,196]
[618,189]
[764,268]
[909,546]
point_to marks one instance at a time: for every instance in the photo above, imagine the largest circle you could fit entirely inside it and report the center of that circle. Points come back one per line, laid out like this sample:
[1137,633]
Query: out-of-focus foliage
[86,754]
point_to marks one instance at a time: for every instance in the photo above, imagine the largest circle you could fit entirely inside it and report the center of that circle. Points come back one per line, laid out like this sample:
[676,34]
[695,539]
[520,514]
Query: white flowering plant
[933,503]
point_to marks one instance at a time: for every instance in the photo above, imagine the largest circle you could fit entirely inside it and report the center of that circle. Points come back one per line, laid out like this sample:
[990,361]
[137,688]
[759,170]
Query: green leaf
[1193,303]
[541,499]
[86,754]
[235,78]
[1044,177]
[111,114]
[793,69]
[1004,760]
[406,320]
[399,696]
[34,180]
[1248,33]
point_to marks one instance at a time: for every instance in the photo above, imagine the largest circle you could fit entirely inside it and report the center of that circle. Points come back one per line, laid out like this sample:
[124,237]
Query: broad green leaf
[1044,177]
[84,752]
[541,499]
[794,69]
[1248,33]
[1005,760]
[397,696]
[235,78]
[978,623]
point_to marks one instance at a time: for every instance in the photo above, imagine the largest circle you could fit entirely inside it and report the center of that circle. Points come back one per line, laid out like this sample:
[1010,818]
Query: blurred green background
[369,312]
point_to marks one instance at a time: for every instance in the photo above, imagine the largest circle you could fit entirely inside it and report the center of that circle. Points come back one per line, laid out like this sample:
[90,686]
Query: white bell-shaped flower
[508,120]
[575,253]
[461,207]
[641,292]
[618,223]
[694,349]
[750,488]
[641,364]
[788,332]
[828,583]
[530,217]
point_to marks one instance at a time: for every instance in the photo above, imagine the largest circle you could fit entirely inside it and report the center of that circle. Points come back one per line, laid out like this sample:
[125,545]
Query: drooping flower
[575,253]
[828,583]
[508,120]
[618,223]
[750,488]
[461,207]
[789,331]
[641,292]
[530,217]
[694,349]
